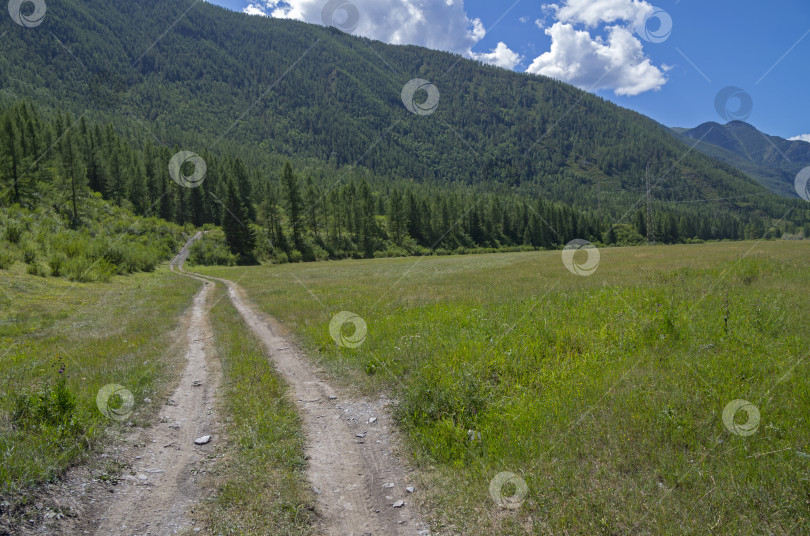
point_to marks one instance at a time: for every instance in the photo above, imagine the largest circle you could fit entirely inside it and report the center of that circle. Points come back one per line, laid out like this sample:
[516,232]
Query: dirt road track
[351,446]
[351,443]
[158,499]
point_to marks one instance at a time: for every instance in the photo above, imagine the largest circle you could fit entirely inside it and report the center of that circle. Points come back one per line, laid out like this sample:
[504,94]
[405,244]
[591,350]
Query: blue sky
[604,46]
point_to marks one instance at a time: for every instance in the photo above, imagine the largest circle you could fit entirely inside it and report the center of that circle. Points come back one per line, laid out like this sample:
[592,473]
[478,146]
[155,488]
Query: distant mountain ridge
[771,160]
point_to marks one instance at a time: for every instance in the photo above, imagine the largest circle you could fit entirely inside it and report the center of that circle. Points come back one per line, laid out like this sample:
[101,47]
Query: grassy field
[60,343]
[604,394]
[260,485]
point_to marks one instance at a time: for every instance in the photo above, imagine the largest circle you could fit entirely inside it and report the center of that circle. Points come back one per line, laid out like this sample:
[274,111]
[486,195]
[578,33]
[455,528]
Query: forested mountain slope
[182,74]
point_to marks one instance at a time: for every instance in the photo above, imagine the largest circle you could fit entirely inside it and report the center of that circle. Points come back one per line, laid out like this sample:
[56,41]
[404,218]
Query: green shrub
[116,255]
[211,251]
[50,411]
[319,253]
[29,253]
[36,268]
[141,258]
[103,271]
[296,256]
[392,251]
[280,258]
[108,241]
[6,259]
[14,231]
[57,263]
[71,243]
[77,269]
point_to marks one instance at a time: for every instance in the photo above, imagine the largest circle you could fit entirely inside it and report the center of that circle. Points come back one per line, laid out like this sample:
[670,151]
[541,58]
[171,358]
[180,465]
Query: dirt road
[158,499]
[351,443]
[361,486]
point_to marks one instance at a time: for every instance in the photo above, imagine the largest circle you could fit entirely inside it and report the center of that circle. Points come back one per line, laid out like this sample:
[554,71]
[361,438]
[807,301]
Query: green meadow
[604,394]
[60,343]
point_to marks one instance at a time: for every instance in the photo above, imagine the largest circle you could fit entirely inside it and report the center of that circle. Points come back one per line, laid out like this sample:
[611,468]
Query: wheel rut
[352,445]
[158,500]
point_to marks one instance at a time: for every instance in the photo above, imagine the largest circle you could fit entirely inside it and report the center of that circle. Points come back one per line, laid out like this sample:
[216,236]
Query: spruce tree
[366,216]
[10,162]
[240,173]
[294,203]
[397,221]
[238,234]
[73,172]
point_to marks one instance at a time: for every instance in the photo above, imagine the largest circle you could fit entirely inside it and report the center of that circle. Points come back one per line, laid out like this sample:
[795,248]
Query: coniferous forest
[295,214]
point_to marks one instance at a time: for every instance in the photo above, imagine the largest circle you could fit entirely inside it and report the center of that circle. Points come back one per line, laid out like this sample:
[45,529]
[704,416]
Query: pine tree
[397,220]
[313,201]
[641,223]
[240,173]
[476,232]
[534,235]
[294,203]
[238,234]
[23,173]
[198,216]
[116,186]
[73,171]
[367,223]
[338,215]
[139,194]
[610,237]
[415,225]
[11,166]
[166,210]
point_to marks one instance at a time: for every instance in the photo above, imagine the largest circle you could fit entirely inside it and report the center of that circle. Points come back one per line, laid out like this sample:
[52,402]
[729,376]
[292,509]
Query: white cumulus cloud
[253,9]
[501,56]
[593,63]
[801,137]
[592,13]
[615,61]
[436,24]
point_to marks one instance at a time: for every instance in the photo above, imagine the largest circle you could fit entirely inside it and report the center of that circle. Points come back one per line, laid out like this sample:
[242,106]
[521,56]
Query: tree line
[313,211]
